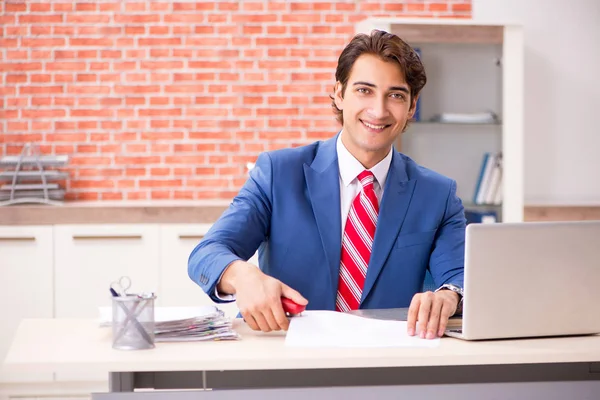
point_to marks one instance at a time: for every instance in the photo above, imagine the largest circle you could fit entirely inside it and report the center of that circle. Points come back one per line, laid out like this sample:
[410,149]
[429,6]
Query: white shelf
[456,150]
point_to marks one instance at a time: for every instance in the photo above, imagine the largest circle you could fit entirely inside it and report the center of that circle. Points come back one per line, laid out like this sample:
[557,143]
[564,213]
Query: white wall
[562,95]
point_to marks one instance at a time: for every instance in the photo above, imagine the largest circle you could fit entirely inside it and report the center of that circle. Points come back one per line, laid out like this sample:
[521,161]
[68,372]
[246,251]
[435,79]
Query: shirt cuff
[223,296]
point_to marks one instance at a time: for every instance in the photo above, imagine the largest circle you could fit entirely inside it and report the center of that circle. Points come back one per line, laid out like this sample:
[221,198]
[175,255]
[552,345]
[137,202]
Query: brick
[65,137]
[184,18]
[99,42]
[370,7]
[136,18]
[111,196]
[17,125]
[154,112]
[41,101]
[15,7]
[252,6]
[156,6]
[252,30]
[41,89]
[62,6]
[437,7]
[105,113]
[15,30]
[83,125]
[461,7]
[136,148]
[253,18]
[88,18]
[16,78]
[159,41]
[96,184]
[87,160]
[123,89]
[208,112]
[40,19]
[159,101]
[415,7]
[183,6]
[20,66]
[159,30]
[43,113]
[162,135]
[111,54]
[137,160]
[135,30]
[169,65]
[63,78]
[93,89]
[65,66]
[135,6]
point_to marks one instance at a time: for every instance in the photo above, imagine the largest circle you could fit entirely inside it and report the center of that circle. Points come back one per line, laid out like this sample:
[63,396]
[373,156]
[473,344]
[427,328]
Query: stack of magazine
[185,324]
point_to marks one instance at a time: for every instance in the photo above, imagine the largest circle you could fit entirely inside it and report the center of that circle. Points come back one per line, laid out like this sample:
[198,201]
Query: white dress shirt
[350,186]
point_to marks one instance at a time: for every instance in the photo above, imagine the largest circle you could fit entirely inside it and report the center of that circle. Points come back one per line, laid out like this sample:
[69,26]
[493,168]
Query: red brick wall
[170,100]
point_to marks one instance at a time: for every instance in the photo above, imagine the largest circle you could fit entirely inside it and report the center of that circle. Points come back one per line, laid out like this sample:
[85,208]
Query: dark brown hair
[388,47]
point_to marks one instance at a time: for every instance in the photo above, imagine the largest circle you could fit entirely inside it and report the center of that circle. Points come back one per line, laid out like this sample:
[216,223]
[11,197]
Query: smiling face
[376,106]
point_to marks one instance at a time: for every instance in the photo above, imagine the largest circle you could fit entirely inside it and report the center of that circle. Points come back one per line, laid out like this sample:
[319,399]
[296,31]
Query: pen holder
[133,322]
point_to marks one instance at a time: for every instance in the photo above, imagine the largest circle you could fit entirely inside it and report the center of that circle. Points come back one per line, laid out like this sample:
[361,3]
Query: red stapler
[290,307]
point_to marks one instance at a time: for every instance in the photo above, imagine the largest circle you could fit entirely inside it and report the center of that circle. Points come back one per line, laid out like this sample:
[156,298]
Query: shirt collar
[350,167]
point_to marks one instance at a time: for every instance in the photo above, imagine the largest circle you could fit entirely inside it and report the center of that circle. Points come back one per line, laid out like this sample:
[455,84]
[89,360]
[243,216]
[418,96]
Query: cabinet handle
[197,237]
[106,237]
[17,238]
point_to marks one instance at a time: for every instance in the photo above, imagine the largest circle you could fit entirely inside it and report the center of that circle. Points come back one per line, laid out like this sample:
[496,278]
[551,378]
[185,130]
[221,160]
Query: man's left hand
[431,311]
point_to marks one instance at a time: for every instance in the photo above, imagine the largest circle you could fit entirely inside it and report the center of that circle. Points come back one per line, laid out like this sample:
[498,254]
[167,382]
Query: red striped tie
[356,244]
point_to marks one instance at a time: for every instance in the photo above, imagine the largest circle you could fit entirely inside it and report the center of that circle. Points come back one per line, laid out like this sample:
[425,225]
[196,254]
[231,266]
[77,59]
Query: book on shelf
[488,189]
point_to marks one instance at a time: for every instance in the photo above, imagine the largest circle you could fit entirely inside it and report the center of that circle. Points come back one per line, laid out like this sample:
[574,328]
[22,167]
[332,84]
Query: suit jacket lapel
[322,180]
[392,211]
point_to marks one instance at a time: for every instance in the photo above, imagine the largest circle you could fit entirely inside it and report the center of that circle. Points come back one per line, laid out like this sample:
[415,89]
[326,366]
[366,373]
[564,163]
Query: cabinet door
[89,257]
[26,259]
[175,286]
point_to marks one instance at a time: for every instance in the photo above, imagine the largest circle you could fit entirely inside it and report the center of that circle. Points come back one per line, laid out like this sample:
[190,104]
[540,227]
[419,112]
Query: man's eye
[363,90]
[399,96]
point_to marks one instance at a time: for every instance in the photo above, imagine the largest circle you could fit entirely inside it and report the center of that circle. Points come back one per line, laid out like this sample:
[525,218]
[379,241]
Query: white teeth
[373,126]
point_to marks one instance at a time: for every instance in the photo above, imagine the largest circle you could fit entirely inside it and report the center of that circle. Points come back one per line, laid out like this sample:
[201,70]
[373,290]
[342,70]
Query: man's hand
[258,296]
[431,311]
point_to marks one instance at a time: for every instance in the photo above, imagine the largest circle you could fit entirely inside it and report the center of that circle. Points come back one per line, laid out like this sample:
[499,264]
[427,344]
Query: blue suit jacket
[289,209]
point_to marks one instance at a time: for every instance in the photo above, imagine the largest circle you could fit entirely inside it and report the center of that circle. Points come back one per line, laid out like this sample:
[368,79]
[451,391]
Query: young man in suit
[348,222]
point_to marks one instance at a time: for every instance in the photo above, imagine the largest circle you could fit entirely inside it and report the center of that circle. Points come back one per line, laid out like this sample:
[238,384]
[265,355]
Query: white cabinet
[89,257]
[175,287]
[26,264]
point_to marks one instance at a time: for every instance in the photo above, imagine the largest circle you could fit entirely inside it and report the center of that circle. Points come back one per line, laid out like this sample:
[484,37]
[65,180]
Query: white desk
[261,360]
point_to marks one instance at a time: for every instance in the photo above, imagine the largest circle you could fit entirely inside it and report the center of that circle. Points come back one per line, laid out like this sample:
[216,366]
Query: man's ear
[413,107]
[338,95]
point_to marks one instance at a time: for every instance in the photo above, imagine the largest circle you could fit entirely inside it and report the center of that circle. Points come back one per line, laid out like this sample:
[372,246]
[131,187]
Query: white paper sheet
[335,329]
[162,314]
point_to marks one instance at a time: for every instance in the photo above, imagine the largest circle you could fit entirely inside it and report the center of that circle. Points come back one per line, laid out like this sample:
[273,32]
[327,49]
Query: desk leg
[121,382]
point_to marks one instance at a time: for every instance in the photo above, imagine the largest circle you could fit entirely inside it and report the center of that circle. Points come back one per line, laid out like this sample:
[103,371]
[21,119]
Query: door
[26,265]
[88,258]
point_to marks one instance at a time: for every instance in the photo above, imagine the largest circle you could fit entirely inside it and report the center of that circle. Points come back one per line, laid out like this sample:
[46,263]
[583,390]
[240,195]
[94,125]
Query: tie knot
[366,179]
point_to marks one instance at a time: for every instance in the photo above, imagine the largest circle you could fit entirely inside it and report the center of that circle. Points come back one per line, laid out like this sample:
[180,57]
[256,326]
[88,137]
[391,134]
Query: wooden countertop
[114,212]
[187,211]
[67,345]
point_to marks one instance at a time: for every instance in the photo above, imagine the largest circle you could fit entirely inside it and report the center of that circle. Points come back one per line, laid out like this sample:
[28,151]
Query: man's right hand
[258,296]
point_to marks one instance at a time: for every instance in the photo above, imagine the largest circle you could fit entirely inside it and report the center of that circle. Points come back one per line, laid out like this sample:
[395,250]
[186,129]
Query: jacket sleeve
[238,233]
[447,258]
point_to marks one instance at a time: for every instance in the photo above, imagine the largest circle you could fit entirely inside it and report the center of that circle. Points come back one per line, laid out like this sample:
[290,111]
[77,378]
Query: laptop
[531,279]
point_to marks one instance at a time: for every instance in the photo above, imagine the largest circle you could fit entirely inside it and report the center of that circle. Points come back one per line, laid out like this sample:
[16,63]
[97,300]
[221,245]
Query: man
[345,223]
